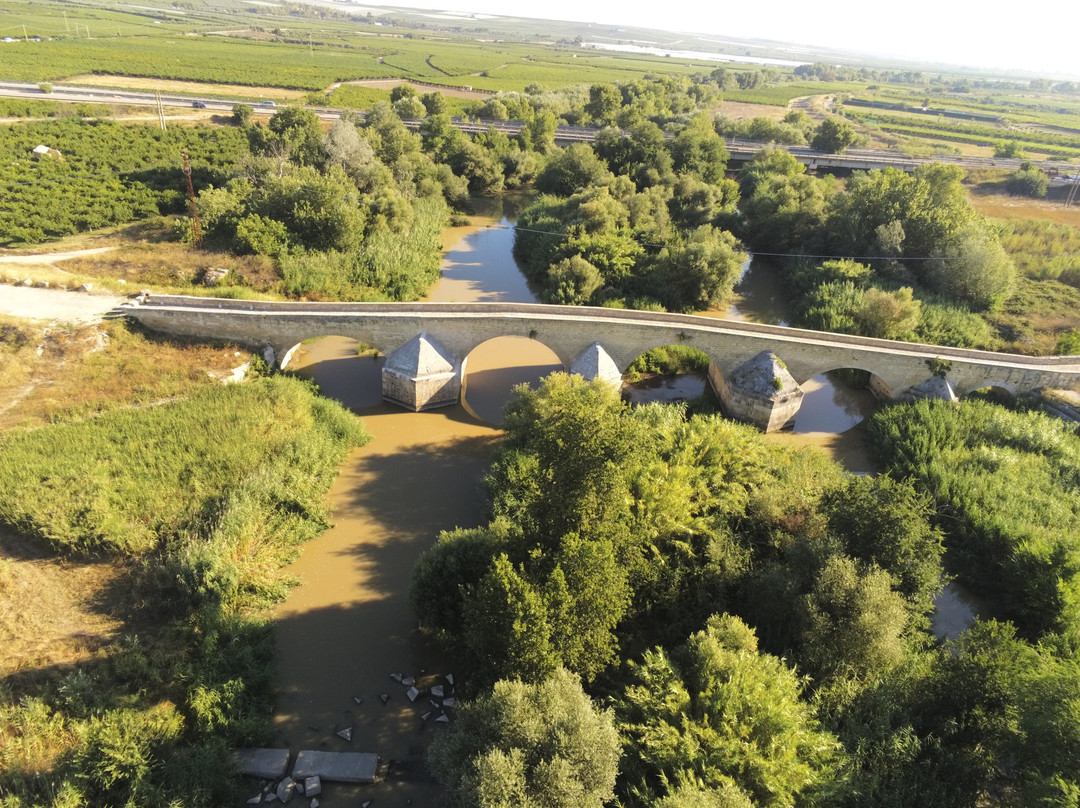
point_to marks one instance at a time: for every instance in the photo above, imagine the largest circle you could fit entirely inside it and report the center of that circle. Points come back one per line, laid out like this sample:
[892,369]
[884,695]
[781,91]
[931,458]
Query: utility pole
[67,28]
[160,109]
[1072,191]
[25,38]
[196,225]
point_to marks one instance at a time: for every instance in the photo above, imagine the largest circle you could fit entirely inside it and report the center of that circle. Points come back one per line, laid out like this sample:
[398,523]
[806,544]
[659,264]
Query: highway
[741,150]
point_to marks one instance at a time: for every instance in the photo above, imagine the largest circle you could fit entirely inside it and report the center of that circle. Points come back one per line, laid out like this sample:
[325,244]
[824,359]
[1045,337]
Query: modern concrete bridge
[614,337]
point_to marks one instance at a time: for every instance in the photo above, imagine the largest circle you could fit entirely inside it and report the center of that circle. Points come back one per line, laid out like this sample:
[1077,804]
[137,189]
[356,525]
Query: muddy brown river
[348,625]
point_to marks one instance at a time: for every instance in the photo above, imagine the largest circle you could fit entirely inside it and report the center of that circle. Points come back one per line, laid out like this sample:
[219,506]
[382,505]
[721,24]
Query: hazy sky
[1036,35]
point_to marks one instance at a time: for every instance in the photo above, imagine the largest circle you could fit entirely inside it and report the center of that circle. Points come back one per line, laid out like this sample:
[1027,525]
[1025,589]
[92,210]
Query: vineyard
[941,128]
[108,174]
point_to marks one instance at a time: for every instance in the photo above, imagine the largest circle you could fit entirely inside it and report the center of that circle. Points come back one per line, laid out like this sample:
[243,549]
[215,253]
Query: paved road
[55,305]
[851,158]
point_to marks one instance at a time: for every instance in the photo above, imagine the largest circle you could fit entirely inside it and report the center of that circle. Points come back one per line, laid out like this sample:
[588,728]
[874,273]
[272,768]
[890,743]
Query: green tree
[833,136]
[410,108]
[716,713]
[973,268]
[434,102]
[241,114]
[1008,148]
[299,133]
[767,163]
[528,746]
[1029,181]
[887,523]
[402,91]
[698,150]
[572,281]
[851,623]
[888,315]
[604,102]
[787,212]
[575,440]
[506,625]
[700,271]
[572,170]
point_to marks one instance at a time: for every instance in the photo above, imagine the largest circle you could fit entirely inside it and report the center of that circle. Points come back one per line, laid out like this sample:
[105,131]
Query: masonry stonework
[623,335]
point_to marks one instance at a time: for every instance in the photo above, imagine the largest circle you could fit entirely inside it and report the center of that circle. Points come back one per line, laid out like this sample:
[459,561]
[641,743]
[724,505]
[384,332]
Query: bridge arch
[491,369]
[624,334]
[673,373]
[997,387]
[838,399]
[344,368]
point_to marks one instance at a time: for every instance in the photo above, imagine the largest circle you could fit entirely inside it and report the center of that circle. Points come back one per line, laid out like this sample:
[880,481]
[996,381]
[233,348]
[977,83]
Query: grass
[131,480]
[212,493]
[666,361]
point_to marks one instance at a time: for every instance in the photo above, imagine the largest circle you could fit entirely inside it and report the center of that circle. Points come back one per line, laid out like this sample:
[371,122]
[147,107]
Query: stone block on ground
[286,790]
[312,785]
[341,767]
[267,763]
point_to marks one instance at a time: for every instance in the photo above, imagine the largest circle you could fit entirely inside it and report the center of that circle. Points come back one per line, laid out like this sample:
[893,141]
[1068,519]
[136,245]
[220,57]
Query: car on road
[198,104]
[270,104]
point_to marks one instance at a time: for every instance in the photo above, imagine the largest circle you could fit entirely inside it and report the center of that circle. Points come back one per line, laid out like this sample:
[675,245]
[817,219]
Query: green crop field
[781,94]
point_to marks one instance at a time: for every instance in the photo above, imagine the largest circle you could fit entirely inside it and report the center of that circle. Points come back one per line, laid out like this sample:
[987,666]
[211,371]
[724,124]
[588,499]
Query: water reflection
[333,364]
[667,389]
[831,405]
[955,610]
[496,367]
[478,265]
[759,297]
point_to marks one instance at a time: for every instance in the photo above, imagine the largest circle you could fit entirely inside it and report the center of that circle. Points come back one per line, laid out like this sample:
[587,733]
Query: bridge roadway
[624,335]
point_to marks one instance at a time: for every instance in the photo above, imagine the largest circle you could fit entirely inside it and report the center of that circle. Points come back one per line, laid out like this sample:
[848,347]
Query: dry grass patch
[740,110]
[51,612]
[1001,206]
[167,264]
[50,374]
[419,86]
[190,87]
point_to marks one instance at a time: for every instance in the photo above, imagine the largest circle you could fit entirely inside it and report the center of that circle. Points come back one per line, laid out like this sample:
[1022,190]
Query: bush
[1028,182]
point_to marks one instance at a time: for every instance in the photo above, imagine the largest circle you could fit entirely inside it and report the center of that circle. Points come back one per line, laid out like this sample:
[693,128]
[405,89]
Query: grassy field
[85,371]
[130,680]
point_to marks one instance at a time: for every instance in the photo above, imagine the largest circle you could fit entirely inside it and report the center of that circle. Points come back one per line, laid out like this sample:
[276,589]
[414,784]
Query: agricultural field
[107,173]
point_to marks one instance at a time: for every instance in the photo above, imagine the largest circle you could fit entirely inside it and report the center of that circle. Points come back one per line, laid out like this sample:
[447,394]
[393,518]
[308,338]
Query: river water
[348,625]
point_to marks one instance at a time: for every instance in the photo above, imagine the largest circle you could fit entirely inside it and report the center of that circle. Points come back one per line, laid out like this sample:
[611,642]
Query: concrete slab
[341,767]
[266,763]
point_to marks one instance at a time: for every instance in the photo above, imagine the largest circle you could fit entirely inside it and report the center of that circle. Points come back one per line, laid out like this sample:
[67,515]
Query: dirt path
[389,84]
[48,259]
[816,106]
[56,305]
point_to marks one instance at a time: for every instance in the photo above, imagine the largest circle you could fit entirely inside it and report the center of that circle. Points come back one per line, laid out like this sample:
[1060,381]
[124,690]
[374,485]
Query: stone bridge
[428,344]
